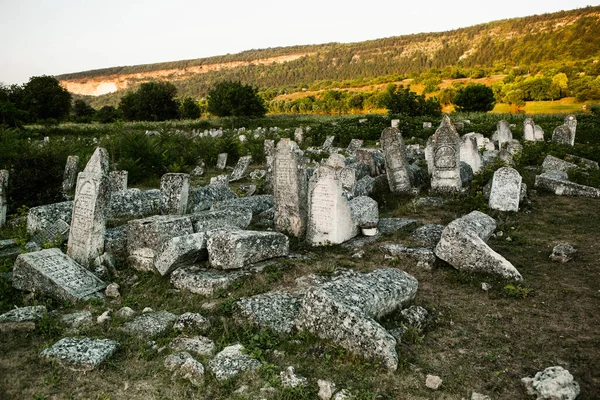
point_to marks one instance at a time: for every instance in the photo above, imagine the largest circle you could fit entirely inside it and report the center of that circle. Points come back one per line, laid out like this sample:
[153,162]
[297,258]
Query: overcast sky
[52,37]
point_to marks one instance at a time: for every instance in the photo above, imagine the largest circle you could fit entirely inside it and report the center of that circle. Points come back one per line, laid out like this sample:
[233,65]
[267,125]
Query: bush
[232,99]
[475,97]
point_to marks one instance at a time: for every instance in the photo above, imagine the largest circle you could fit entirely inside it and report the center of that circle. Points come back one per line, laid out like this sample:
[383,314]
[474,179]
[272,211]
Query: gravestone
[538,133]
[427,125]
[222,180]
[222,161]
[239,172]
[70,174]
[396,164]
[348,178]
[57,232]
[365,158]
[529,130]
[506,190]
[329,219]
[336,161]
[3,196]
[563,135]
[117,181]
[174,190]
[571,122]
[290,186]
[328,142]
[299,135]
[51,272]
[503,133]
[354,145]
[395,123]
[445,158]
[269,147]
[469,153]
[88,222]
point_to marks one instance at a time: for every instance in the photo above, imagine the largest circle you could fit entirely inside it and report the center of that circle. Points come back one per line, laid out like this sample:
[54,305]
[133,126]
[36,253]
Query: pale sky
[52,37]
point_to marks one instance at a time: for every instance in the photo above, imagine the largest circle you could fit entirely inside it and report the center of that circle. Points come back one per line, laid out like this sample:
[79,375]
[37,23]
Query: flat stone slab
[231,361]
[202,198]
[53,273]
[239,217]
[463,245]
[202,281]
[40,217]
[423,255]
[274,310]
[257,204]
[80,354]
[344,310]
[180,250]
[391,225]
[150,325]
[559,184]
[233,249]
[21,318]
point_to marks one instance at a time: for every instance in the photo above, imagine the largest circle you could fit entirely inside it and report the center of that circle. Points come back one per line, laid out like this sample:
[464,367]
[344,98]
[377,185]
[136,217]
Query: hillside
[557,38]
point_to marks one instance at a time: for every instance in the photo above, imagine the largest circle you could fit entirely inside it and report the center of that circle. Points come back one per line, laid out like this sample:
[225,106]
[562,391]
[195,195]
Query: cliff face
[103,84]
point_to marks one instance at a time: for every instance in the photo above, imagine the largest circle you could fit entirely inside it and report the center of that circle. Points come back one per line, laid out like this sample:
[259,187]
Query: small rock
[147,310]
[191,321]
[231,361]
[125,313]
[553,383]
[326,389]
[397,333]
[192,371]
[112,291]
[563,252]
[77,319]
[359,254]
[485,286]
[241,390]
[198,344]
[342,395]
[433,382]
[290,380]
[176,360]
[105,317]
[416,316]
[477,396]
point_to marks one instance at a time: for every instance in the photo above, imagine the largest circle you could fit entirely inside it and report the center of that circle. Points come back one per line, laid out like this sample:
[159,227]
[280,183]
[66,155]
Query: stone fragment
[582,162]
[125,313]
[53,273]
[219,180]
[396,163]
[274,310]
[299,135]
[445,155]
[553,383]
[364,186]
[236,249]
[354,145]
[56,233]
[204,197]
[416,316]
[391,225]
[433,382]
[506,190]
[115,242]
[149,325]
[112,291]
[326,389]
[88,222]
[343,394]
[552,163]
[344,310]
[469,152]
[371,160]
[563,252]
[290,189]
[21,319]
[179,251]
[70,174]
[221,161]
[558,183]
[241,169]
[117,181]
[80,354]
[202,281]
[330,218]
[175,361]
[257,204]
[197,171]
[40,217]
[134,203]
[231,361]
[365,212]
[327,143]
[200,345]
[478,396]
[463,245]
[289,379]
[174,190]
[563,135]
[424,256]
[503,133]
[428,235]
[77,319]
[191,370]
[348,178]
[191,321]
[336,161]
[104,317]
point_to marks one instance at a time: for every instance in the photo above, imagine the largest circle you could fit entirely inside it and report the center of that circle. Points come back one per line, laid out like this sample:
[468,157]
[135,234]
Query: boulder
[150,325]
[204,282]
[553,383]
[274,310]
[231,361]
[428,235]
[202,198]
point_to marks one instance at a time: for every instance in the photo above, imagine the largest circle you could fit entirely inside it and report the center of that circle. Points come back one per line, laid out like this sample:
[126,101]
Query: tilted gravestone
[571,122]
[354,145]
[330,218]
[563,135]
[469,153]
[239,172]
[174,189]
[529,130]
[222,161]
[118,181]
[88,221]
[445,156]
[3,196]
[53,273]
[396,164]
[506,190]
[290,187]
[503,133]
[70,174]
[328,142]
[538,133]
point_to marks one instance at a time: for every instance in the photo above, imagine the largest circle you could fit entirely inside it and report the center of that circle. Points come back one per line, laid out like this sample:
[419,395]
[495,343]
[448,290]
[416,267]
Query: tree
[232,99]
[153,101]
[44,99]
[515,98]
[108,114]
[189,109]
[10,115]
[83,112]
[400,100]
[475,97]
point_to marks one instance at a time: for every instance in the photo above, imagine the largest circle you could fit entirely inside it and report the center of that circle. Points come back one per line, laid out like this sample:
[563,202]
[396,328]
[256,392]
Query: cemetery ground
[482,341]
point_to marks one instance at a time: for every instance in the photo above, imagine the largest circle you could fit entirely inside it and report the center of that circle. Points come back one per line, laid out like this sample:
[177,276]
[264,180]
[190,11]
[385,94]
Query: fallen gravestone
[80,354]
[241,168]
[21,319]
[232,361]
[558,183]
[150,325]
[233,249]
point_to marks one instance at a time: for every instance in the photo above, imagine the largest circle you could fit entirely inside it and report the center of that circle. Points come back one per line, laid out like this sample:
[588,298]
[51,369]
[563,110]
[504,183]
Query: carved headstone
[365,158]
[529,130]
[239,172]
[330,219]
[222,161]
[269,147]
[3,196]
[174,189]
[336,161]
[469,153]
[88,221]
[506,190]
[118,181]
[53,273]
[445,158]
[354,145]
[70,174]
[290,188]
[503,133]
[538,133]
[396,164]
[571,122]
[563,135]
